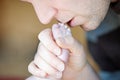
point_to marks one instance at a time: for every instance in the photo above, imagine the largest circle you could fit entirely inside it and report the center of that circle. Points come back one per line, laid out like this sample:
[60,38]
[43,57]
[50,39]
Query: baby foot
[60,31]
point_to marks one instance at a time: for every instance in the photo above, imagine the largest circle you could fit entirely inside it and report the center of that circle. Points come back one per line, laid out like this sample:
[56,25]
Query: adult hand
[46,63]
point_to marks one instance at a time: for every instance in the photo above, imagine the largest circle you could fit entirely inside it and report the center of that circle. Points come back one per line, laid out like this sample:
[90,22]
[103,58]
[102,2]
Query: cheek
[79,20]
[90,25]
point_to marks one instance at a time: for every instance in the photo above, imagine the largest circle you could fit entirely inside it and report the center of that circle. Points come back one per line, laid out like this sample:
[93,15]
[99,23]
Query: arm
[87,73]
[46,61]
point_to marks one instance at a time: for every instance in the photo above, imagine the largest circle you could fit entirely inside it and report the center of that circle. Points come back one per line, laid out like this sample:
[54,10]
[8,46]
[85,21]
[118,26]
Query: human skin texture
[59,30]
[87,14]
[48,66]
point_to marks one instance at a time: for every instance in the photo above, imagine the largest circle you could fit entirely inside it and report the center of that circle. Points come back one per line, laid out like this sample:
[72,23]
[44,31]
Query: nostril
[48,15]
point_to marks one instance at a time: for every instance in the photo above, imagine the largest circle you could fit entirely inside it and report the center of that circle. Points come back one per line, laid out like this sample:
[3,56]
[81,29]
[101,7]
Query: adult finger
[47,39]
[47,68]
[34,70]
[50,58]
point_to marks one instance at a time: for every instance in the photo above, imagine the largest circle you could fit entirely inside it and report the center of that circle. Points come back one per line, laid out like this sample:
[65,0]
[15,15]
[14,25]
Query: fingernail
[59,75]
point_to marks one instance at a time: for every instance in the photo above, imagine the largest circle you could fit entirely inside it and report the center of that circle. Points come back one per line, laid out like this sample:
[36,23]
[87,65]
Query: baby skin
[60,30]
[58,54]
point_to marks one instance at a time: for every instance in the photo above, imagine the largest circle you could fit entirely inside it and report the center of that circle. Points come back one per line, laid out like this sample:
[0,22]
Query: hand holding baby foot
[46,62]
[45,59]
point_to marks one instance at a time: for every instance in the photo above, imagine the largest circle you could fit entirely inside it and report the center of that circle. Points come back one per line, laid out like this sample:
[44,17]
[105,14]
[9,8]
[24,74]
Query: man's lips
[68,22]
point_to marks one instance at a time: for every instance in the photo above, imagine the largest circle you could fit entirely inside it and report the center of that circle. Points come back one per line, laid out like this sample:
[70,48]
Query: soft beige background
[19,27]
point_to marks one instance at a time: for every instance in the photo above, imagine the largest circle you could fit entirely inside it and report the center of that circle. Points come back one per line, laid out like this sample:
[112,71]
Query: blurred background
[19,27]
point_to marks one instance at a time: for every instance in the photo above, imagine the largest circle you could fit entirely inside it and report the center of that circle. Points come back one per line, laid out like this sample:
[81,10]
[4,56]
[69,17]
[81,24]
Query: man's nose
[44,12]
[46,15]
